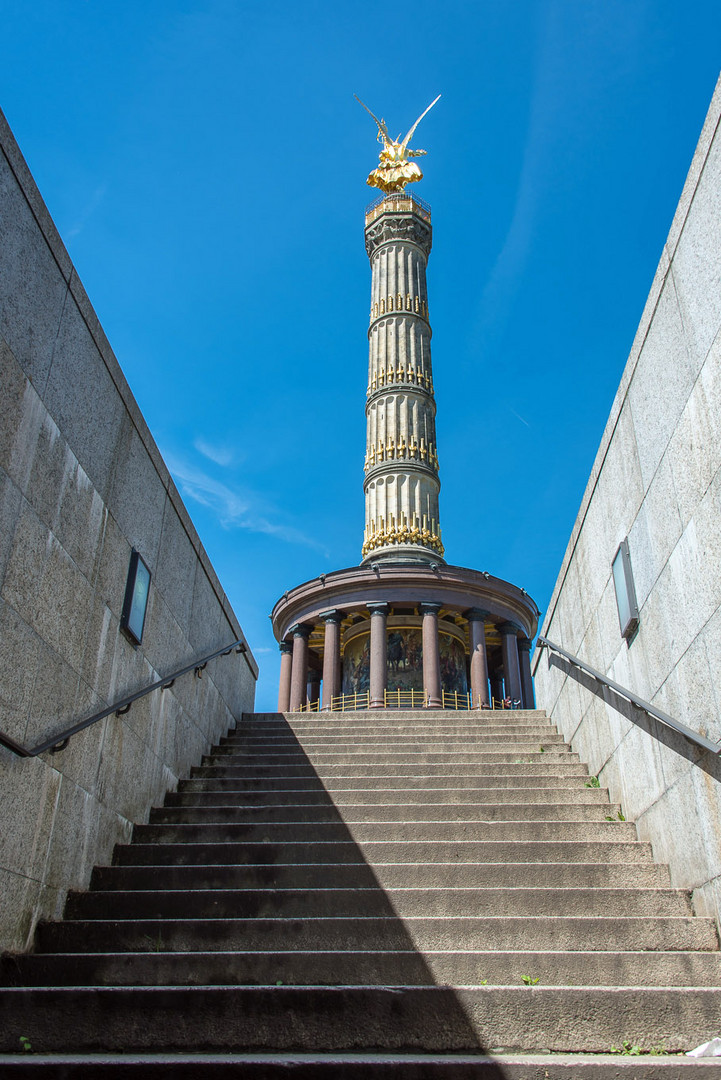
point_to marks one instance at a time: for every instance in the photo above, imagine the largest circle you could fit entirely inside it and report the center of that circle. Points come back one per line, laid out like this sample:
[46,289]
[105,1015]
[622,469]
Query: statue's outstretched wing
[381,124]
[407,139]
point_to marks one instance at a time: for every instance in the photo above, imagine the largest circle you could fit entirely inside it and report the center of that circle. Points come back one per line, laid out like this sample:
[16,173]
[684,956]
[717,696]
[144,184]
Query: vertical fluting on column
[511,668]
[524,650]
[331,657]
[431,655]
[378,655]
[286,666]
[479,661]
[401,464]
[299,672]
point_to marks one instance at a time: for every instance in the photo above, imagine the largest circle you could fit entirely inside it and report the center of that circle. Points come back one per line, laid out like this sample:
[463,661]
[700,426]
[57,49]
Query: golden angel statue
[395,170]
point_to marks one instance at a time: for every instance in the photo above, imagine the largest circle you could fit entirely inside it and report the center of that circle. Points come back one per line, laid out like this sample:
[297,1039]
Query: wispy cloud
[519,417]
[233,508]
[220,455]
[88,211]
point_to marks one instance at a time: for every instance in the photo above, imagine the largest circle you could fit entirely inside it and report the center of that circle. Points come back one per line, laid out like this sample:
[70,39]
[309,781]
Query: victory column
[403,629]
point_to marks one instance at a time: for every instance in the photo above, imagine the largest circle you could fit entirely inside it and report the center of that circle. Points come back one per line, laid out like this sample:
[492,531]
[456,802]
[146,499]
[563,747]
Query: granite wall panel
[81,484]
[657,480]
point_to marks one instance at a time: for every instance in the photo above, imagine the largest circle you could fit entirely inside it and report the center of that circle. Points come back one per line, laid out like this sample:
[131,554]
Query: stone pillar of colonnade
[286,667]
[299,671]
[331,657]
[313,685]
[431,655]
[511,667]
[479,661]
[524,648]
[378,655]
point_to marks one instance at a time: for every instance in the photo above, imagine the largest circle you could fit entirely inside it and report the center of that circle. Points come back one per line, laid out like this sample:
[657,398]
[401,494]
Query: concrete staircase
[415,894]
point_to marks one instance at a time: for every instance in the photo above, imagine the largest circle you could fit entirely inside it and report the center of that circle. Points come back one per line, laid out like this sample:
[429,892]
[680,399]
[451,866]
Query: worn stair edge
[365,1066]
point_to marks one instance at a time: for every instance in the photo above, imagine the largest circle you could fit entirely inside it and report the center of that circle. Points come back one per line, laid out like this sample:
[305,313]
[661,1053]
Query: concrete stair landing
[411,894]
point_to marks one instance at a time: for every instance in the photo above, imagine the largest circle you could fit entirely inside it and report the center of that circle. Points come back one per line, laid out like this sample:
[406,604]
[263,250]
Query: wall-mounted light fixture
[625,591]
[135,604]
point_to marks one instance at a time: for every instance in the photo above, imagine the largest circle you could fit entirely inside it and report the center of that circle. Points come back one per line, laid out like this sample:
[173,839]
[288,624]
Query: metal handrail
[645,706]
[60,741]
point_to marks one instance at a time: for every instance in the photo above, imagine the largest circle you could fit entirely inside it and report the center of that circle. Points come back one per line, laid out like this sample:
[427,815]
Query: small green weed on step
[592,782]
[154,944]
[619,817]
[528,980]
[627,1047]
[26,1044]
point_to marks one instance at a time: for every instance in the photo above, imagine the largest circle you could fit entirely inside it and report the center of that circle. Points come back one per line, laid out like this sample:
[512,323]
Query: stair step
[451,875]
[429,1019]
[352,741]
[516,782]
[438,831]
[543,766]
[513,755]
[222,852]
[325,812]
[376,1066]
[577,932]
[373,901]
[237,796]
[364,968]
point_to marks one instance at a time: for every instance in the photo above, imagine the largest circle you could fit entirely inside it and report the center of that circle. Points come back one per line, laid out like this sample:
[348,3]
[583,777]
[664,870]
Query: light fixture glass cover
[625,591]
[137,590]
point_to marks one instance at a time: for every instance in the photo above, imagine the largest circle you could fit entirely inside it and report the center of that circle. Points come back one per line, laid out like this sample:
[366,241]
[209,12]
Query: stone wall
[657,480]
[81,484]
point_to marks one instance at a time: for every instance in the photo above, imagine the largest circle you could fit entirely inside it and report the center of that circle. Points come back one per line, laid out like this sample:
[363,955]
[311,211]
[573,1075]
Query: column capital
[429,607]
[525,644]
[301,630]
[332,616]
[286,647]
[507,628]
[379,608]
[476,614]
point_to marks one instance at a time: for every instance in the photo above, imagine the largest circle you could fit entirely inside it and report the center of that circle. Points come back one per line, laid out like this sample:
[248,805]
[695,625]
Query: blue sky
[205,163]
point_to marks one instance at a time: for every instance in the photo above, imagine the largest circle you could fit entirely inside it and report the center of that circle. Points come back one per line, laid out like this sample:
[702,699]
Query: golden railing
[399,202]
[405,699]
[409,699]
[451,699]
[342,703]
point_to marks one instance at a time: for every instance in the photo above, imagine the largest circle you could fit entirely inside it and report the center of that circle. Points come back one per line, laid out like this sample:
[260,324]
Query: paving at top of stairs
[373,883]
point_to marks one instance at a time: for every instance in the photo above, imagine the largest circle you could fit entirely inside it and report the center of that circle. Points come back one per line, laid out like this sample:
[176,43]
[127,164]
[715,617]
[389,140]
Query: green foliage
[154,944]
[592,782]
[528,980]
[541,750]
[26,1044]
[627,1047]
